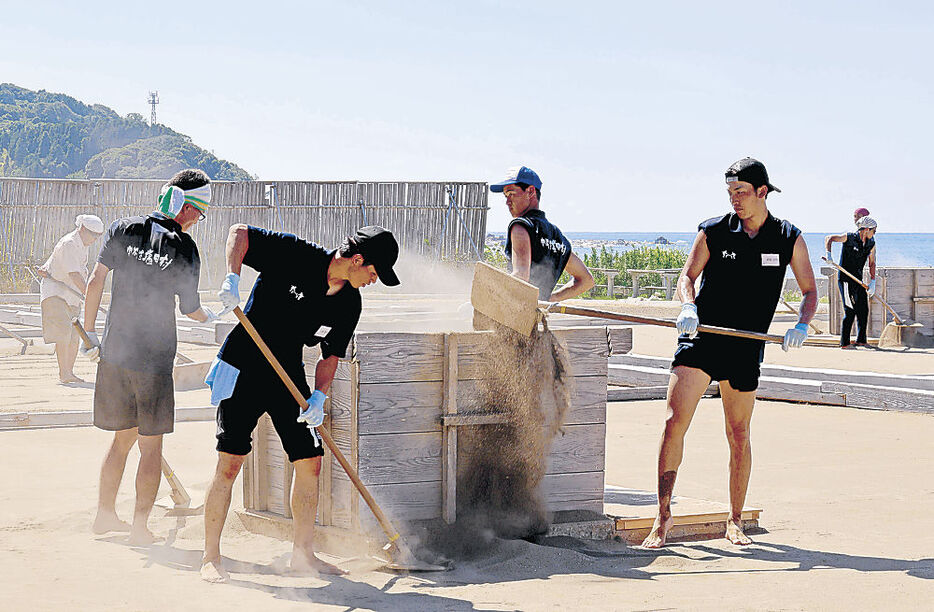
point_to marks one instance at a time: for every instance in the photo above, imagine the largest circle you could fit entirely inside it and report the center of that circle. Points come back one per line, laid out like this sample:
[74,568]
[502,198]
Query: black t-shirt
[854,255]
[743,278]
[550,250]
[152,260]
[289,306]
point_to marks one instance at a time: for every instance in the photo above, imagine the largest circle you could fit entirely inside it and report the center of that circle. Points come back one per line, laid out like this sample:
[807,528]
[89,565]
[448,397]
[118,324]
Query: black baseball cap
[379,249]
[750,171]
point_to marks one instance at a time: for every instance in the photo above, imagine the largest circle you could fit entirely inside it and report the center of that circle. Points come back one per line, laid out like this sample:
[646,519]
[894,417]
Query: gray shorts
[124,399]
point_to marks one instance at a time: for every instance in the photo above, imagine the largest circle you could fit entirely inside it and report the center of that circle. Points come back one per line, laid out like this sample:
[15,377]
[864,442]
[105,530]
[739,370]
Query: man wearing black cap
[304,295]
[537,250]
[743,256]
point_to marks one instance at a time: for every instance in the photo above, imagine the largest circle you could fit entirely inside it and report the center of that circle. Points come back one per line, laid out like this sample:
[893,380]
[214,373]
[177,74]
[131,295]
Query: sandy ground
[846,494]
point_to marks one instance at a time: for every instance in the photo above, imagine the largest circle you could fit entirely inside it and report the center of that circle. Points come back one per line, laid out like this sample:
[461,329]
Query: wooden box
[394,411]
[909,291]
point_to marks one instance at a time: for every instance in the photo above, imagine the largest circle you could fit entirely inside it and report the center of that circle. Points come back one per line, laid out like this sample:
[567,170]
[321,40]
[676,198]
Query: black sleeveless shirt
[854,255]
[550,250]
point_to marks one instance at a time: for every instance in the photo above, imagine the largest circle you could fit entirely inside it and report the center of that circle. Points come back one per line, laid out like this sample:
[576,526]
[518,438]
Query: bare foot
[656,537]
[69,378]
[310,564]
[105,522]
[213,571]
[734,533]
[142,537]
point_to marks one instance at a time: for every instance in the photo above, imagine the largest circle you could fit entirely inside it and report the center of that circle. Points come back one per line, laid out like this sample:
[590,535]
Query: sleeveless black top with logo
[743,278]
[550,250]
[854,255]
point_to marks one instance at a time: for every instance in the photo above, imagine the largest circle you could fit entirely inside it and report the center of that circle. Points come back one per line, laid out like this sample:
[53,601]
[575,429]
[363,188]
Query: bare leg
[66,353]
[737,409]
[111,475]
[685,388]
[148,477]
[216,505]
[304,510]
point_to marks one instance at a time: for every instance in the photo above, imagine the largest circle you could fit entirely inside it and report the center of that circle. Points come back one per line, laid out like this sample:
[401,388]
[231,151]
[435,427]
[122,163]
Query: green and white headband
[173,198]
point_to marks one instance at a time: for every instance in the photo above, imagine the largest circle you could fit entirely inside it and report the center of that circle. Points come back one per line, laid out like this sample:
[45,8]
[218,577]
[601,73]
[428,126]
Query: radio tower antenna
[153,100]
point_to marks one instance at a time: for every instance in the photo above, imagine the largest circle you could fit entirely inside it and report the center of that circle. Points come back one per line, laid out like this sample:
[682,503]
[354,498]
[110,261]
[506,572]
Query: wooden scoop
[514,303]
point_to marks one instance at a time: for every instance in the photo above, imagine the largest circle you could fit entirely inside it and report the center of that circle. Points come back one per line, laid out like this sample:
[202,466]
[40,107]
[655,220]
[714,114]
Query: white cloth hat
[866,222]
[92,222]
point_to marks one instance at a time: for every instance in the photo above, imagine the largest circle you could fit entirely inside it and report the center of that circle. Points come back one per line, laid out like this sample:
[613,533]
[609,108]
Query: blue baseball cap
[518,174]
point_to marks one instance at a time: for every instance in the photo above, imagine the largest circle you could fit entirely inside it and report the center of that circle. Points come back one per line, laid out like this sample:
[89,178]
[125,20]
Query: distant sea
[892,249]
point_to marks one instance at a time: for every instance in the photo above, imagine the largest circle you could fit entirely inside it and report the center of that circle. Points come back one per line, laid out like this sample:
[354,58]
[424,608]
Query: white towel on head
[91,222]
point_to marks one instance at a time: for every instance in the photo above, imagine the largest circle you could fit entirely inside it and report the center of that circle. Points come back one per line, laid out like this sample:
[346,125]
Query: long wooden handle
[325,435]
[179,494]
[711,329]
[898,319]
[85,338]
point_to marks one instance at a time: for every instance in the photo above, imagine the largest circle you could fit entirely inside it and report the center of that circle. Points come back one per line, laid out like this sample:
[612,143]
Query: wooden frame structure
[395,410]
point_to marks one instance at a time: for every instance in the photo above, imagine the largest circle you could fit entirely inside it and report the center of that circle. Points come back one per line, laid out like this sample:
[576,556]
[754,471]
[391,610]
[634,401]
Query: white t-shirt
[69,255]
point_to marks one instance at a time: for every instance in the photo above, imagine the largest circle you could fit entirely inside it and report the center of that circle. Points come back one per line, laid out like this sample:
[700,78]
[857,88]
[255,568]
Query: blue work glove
[795,336]
[829,256]
[313,416]
[229,294]
[687,320]
[92,352]
[872,288]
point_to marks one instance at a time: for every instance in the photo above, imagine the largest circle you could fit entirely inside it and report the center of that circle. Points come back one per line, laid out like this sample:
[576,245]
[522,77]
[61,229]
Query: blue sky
[630,112]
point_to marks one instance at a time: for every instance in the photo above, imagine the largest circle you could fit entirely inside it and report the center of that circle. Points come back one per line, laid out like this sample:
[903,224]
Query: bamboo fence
[438,220]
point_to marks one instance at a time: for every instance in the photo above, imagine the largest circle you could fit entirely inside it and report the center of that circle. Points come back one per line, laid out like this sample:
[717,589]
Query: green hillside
[50,135]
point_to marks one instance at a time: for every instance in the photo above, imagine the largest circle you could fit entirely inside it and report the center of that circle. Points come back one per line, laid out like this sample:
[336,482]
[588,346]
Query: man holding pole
[64,282]
[304,295]
[537,250]
[858,248]
[153,260]
[743,257]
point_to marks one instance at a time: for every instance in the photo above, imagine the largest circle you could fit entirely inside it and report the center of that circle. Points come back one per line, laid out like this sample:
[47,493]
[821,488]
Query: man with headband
[305,295]
[858,248]
[743,256]
[64,280]
[153,260]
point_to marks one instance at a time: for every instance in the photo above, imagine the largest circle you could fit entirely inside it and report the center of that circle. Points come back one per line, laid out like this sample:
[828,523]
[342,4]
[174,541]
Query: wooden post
[324,480]
[610,283]
[449,432]
[355,439]
[260,467]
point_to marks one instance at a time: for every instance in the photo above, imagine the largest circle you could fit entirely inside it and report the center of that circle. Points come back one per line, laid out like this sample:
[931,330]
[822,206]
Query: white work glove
[795,336]
[94,352]
[871,291]
[229,294]
[687,320]
[212,316]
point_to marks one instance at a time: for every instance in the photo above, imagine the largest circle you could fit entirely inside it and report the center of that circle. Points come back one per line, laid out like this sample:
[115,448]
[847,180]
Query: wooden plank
[573,491]
[504,298]
[620,339]
[399,356]
[406,407]
[624,394]
[476,418]
[400,501]
[882,398]
[782,371]
[393,458]
[637,376]
[580,448]
[84,418]
[354,457]
[449,433]
[793,390]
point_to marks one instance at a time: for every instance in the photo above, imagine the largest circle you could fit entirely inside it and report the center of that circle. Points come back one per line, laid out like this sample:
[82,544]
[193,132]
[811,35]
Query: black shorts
[124,399]
[722,358]
[252,396]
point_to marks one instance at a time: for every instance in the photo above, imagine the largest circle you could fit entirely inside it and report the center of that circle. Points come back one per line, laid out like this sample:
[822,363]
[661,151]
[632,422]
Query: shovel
[401,556]
[891,332]
[514,303]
